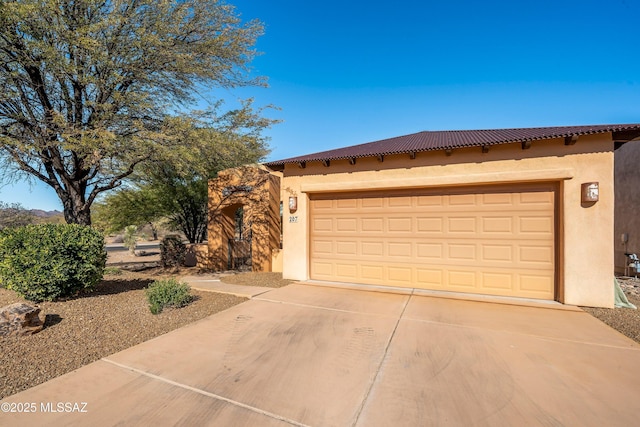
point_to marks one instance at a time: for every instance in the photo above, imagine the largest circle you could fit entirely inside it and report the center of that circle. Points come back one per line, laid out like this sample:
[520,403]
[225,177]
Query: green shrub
[48,261]
[172,251]
[167,293]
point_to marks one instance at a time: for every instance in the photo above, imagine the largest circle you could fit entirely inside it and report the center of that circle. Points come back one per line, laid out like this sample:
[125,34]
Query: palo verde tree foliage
[177,190]
[128,206]
[86,86]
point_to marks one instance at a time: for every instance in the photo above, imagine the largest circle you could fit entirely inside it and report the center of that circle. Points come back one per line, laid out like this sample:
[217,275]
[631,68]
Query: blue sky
[348,72]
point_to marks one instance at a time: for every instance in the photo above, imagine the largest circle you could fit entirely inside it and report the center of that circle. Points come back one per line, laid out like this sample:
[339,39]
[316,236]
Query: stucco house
[518,213]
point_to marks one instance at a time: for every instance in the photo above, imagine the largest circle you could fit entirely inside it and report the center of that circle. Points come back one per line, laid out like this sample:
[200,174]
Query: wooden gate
[239,254]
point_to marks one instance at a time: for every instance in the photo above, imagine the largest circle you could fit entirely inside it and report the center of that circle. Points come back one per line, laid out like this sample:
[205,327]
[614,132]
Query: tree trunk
[76,210]
[77,216]
[154,231]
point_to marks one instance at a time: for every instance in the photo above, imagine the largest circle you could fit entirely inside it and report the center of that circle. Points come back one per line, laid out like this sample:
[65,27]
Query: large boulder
[20,319]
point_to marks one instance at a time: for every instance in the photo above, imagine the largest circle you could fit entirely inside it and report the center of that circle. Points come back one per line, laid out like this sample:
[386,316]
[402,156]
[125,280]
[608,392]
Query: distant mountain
[44,214]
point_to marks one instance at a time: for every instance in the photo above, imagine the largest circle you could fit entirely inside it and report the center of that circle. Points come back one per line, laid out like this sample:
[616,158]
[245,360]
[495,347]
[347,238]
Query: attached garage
[499,212]
[491,240]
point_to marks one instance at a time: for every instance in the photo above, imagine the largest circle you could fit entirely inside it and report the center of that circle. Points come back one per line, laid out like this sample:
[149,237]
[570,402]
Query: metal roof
[449,140]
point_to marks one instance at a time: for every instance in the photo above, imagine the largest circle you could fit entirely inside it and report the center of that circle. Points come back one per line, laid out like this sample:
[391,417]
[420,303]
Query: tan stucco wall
[276,261]
[257,190]
[585,232]
[627,211]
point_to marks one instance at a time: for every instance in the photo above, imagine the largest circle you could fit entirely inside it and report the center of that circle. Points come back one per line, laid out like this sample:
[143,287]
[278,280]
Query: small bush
[168,293]
[49,261]
[112,271]
[172,251]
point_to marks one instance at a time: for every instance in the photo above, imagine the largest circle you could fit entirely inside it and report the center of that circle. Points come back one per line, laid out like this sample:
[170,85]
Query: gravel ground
[267,280]
[624,320]
[82,330]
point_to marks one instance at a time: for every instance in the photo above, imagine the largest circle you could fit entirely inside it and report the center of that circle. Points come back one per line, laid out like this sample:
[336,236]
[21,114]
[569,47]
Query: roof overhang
[448,141]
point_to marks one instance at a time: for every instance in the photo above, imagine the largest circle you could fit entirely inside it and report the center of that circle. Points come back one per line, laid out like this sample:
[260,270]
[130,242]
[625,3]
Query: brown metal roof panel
[438,140]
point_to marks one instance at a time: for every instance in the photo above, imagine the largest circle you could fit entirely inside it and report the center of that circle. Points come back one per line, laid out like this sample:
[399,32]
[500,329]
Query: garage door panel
[462,200]
[459,225]
[372,202]
[462,252]
[429,278]
[430,225]
[536,286]
[320,205]
[346,248]
[319,225]
[346,204]
[322,270]
[431,201]
[375,225]
[346,271]
[400,225]
[542,199]
[400,275]
[489,242]
[398,202]
[346,225]
[501,199]
[400,249]
[430,252]
[462,280]
[375,249]
[372,272]
[540,255]
[491,253]
[499,226]
[497,282]
[323,247]
[536,225]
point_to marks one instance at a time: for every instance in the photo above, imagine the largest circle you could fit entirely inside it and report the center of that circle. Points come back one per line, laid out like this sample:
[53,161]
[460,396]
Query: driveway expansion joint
[206,393]
[382,359]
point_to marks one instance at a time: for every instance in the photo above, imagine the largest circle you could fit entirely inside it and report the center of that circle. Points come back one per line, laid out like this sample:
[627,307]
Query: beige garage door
[495,240]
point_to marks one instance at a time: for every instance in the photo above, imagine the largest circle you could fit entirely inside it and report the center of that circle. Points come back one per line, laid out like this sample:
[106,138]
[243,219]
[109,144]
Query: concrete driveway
[319,356]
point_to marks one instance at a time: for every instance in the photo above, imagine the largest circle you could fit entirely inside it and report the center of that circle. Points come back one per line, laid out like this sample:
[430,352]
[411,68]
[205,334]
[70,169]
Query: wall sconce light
[590,192]
[293,203]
